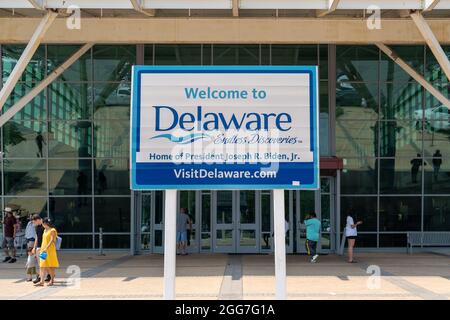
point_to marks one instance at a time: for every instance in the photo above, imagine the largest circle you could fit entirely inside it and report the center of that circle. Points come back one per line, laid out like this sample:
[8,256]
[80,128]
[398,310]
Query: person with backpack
[48,258]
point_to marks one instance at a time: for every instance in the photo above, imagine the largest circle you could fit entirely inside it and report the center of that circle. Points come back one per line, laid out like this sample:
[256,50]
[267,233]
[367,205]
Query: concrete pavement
[221,276]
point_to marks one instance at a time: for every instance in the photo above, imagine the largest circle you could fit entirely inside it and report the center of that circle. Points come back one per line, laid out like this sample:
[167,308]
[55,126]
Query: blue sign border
[137,72]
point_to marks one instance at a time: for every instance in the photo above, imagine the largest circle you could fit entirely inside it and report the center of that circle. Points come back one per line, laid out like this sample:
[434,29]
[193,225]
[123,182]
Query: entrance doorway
[236,221]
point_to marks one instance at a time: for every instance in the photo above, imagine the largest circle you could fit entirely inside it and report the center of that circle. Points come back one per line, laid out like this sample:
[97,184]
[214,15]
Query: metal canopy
[426,5]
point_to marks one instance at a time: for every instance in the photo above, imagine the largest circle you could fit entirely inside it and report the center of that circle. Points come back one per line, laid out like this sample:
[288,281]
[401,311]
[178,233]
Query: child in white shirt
[31,264]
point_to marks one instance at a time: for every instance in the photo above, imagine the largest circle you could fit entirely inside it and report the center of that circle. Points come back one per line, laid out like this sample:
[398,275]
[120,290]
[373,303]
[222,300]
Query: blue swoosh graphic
[182,140]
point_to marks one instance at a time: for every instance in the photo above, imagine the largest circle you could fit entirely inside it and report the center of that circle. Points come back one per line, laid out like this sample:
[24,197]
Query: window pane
[112,176]
[400,213]
[80,70]
[113,63]
[324,119]
[412,55]
[28,205]
[363,208]
[187,200]
[400,139]
[393,240]
[357,63]
[437,214]
[111,138]
[35,69]
[112,214]
[323,61]
[178,54]
[401,100]
[366,240]
[359,176]
[325,207]
[236,54]
[71,214]
[76,241]
[206,212]
[34,110]
[27,139]
[70,177]
[70,139]
[70,101]
[116,241]
[433,71]
[112,100]
[356,139]
[357,101]
[294,55]
[437,174]
[401,175]
[25,177]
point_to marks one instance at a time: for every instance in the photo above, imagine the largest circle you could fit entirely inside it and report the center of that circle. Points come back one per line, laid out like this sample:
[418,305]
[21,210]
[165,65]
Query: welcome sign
[208,127]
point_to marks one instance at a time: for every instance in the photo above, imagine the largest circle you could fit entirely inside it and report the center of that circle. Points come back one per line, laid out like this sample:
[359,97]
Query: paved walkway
[221,276]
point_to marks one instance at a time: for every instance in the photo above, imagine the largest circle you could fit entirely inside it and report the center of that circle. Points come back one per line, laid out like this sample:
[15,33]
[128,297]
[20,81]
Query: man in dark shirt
[37,222]
[10,225]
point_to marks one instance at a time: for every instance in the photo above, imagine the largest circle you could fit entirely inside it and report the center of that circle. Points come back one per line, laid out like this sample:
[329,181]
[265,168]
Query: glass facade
[396,153]
[66,154]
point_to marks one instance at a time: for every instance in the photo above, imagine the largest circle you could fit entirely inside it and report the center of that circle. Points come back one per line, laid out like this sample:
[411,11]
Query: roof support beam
[43,84]
[414,74]
[138,6]
[332,5]
[37,4]
[26,56]
[432,42]
[429,5]
[235,8]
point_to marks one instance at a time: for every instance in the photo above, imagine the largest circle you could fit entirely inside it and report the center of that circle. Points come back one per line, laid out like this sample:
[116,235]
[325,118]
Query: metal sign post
[170,254]
[280,243]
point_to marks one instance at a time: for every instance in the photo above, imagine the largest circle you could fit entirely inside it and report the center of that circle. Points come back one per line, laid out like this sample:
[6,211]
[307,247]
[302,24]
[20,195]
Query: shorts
[31,270]
[352,237]
[182,236]
[8,242]
[30,243]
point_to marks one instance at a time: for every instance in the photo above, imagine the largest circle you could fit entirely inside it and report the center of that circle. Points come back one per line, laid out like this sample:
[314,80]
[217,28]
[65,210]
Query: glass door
[145,222]
[223,217]
[305,202]
[158,221]
[247,224]
[188,200]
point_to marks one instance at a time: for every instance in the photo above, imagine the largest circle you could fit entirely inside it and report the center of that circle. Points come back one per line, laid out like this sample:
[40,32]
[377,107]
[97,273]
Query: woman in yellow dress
[49,264]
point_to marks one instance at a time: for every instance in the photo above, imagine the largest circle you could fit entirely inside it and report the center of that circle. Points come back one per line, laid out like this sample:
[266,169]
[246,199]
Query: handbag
[43,255]
[58,242]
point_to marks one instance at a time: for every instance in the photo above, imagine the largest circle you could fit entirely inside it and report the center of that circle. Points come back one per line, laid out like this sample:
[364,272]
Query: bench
[432,239]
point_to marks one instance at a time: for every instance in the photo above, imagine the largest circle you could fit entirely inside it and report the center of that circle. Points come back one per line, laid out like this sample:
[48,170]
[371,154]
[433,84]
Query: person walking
[31,265]
[48,258]
[30,233]
[437,162]
[351,233]
[312,236]
[416,163]
[10,228]
[183,222]
[39,229]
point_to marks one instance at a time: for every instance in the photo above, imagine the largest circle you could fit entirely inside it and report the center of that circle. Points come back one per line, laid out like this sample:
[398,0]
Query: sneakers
[12,260]
[48,278]
[37,280]
[314,258]
[6,259]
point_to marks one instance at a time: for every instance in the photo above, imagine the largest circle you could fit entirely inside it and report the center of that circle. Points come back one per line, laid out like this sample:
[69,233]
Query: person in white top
[351,233]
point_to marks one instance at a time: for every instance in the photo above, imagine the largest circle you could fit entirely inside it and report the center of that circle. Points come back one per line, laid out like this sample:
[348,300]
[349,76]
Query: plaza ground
[424,275]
